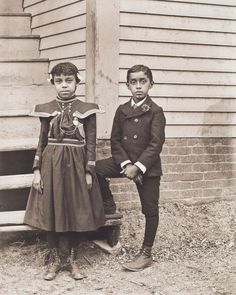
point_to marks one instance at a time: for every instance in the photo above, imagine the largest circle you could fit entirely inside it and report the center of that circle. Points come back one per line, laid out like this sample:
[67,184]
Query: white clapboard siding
[177,104]
[179,49]
[200,118]
[63,39]
[180,9]
[66,51]
[191,48]
[207,2]
[65,25]
[61,26]
[9,182]
[58,14]
[179,36]
[189,77]
[79,62]
[200,131]
[179,63]
[39,7]
[175,90]
[178,22]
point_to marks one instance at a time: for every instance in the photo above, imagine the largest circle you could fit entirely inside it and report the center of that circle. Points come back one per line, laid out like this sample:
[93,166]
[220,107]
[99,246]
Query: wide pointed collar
[79,109]
[129,112]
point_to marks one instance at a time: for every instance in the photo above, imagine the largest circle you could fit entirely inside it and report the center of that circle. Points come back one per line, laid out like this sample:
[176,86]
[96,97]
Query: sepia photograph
[117,147]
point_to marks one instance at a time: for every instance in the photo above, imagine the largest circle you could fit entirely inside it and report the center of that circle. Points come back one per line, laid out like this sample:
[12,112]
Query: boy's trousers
[148,191]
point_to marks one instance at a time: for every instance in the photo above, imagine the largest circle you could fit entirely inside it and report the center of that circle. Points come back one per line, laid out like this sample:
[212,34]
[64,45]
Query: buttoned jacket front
[138,135]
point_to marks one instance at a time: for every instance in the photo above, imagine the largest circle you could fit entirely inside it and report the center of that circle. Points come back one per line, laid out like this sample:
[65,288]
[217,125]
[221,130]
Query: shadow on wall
[220,145]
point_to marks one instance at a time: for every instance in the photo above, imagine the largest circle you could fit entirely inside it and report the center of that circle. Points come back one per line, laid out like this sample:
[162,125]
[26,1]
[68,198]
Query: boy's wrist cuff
[140,166]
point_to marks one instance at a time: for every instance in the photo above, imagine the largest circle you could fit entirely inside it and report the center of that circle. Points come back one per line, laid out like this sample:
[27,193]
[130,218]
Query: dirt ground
[194,254]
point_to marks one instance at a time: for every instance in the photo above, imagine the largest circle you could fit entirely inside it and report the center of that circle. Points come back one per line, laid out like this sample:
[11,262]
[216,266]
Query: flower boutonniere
[145,108]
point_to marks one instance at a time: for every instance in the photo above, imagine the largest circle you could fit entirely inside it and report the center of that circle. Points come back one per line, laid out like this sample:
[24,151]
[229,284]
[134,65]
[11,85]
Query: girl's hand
[37,181]
[89,180]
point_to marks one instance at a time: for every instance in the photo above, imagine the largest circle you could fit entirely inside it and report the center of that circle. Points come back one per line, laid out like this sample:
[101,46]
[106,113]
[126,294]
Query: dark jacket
[138,135]
[84,111]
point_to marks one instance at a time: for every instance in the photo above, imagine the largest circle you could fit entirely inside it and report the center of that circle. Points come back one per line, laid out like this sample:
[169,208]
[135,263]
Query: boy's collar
[130,112]
[138,103]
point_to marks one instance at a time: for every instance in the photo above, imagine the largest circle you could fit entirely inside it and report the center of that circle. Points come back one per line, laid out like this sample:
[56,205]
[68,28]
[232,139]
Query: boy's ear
[151,84]
[127,84]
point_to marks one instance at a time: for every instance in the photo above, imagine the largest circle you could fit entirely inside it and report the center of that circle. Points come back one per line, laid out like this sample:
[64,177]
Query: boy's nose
[138,85]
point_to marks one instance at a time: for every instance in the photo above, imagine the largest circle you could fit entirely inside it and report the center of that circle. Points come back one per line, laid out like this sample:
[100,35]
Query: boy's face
[65,86]
[139,85]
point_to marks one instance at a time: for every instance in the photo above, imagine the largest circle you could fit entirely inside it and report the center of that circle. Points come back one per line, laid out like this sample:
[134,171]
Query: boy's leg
[149,197]
[107,168]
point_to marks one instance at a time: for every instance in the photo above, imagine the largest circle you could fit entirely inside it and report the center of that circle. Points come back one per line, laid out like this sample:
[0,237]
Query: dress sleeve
[43,140]
[90,136]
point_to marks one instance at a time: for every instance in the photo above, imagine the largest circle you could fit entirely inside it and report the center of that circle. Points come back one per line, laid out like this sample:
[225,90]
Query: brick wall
[195,170]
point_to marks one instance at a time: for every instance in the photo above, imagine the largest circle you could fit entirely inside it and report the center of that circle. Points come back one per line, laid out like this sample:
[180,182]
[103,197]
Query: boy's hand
[138,179]
[37,181]
[89,180]
[131,171]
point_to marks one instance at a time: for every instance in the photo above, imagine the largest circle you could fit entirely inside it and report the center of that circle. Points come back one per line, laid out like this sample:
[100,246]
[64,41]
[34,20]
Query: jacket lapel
[129,112]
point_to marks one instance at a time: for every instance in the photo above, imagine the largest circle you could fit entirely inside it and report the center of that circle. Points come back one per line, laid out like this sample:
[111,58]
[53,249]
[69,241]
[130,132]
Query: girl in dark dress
[65,197]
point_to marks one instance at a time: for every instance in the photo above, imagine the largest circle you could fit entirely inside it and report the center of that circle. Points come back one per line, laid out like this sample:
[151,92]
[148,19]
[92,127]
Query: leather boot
[140,262]
[53,267]
[74,269]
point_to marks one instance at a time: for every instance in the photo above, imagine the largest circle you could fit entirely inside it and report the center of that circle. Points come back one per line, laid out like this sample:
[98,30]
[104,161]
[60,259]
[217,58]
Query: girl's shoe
[74,269]
[75,272]
[52,271]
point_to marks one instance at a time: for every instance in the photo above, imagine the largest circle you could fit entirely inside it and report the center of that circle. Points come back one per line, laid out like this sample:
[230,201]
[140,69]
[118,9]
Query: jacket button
[135,136]
[136,120]
[125,137]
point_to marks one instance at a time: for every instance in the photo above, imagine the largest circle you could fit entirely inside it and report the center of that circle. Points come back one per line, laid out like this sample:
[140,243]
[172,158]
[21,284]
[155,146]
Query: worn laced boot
[53,266]
[74,269]
[140,262]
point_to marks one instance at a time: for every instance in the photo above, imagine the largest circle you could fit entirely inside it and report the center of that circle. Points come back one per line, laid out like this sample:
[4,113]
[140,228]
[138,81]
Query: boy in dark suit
[137,137]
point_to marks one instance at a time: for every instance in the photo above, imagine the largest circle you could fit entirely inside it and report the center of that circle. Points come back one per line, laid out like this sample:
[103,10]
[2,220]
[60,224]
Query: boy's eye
[143,81]
[133,82]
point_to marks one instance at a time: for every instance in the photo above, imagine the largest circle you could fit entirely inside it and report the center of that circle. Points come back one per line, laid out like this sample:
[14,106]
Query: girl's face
[65,86]
[139,85]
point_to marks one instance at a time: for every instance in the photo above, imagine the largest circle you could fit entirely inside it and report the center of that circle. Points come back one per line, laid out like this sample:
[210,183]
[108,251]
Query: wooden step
[25,72]
[24,97]
[11,6]
[15,24]
[13,221]
[19,47]
[18,144]
[15,181]
[15,127]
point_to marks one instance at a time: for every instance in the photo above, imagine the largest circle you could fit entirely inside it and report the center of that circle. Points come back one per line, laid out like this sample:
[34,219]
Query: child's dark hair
[65,68]
[140,68]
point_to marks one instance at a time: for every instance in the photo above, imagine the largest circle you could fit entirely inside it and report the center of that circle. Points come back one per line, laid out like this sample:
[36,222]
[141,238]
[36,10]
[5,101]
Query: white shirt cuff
[140,166]
[122,165]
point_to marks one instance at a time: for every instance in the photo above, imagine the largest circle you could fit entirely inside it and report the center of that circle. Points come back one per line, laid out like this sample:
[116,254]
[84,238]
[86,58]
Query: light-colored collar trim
[138,103]
[100,110]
